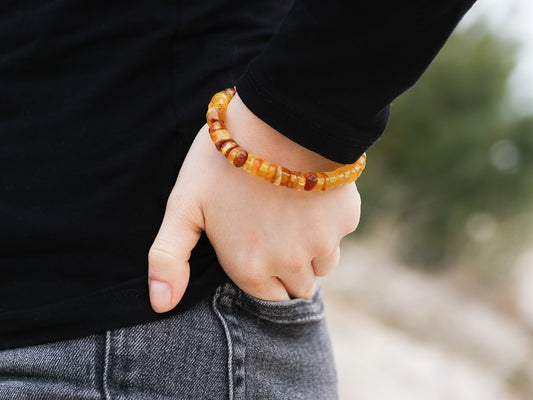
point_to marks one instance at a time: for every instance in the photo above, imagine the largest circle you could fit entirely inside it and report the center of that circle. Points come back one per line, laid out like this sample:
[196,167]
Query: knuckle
[296,266]
[324,246]
[254,277]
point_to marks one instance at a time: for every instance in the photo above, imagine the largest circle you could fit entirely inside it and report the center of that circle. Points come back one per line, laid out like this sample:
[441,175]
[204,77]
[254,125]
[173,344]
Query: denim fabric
[231,346]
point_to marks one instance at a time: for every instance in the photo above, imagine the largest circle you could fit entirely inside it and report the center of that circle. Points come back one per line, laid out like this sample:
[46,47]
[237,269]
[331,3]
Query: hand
[271,241]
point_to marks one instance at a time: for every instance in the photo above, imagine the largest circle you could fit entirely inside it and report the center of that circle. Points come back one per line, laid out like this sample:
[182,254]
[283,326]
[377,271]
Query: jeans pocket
[293,317]
[292,312]
[268,338]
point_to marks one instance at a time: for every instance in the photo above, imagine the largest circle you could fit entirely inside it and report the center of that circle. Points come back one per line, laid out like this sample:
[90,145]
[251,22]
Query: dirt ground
[398,334]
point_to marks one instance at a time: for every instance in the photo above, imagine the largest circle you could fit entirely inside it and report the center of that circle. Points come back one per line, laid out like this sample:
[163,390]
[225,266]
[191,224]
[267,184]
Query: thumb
[168,258]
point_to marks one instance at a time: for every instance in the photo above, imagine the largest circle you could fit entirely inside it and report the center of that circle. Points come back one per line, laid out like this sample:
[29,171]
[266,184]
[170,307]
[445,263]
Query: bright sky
[512,18]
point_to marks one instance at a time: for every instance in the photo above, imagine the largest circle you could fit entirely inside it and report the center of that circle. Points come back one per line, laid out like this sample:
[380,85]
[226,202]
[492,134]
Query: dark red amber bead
[310,181]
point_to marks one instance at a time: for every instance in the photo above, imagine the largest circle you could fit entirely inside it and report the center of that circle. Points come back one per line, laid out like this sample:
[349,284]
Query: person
[105,161]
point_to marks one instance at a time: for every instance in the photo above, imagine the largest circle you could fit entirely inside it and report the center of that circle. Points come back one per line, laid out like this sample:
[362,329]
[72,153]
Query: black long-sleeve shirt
[100,101]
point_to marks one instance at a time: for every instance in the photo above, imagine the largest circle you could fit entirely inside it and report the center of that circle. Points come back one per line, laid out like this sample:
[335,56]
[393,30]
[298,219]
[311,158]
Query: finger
[299,281]
[271,289]
[323,265]
[168,258]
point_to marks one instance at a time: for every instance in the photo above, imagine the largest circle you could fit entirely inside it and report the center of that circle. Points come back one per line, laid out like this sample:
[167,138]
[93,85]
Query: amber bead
[271,173]
[263,169]
[215,113]
[219,100]
[296,181]
[249,162]
[216,125]
[219,137]
[299,184]
[212,116]
[285,176]
[319,183]
[256,165]
[237,156]
[278,175]
[230,92]
[227,147]
[310,181]
[240,158]
[326,185]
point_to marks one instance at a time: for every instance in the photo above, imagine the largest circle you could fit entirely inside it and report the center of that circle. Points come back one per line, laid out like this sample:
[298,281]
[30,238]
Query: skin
[272,242]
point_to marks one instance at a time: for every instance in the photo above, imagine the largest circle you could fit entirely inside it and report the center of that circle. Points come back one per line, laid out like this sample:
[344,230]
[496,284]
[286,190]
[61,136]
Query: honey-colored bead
[348,174]
[212,116]
[215,125]
[277,177]
[219,137]
[215,113]
[333,180]
[319,183]
[285,176]
[297,181]
[219,100]
[339,176]
[226,147]
[240,158]
[300,183]
[230,92]
[256,165]
[344,174]
[327,181]
[271,173]
[263,169]
[237,156]
[248,164]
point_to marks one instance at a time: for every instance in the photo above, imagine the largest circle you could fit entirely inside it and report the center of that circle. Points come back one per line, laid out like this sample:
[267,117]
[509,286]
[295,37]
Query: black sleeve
[327,77]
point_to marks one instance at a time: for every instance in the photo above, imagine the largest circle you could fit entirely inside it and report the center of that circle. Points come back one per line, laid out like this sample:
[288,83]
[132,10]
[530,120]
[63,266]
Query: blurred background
[433,298]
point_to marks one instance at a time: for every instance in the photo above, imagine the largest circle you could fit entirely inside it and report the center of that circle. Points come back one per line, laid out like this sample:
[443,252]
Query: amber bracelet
[310,181]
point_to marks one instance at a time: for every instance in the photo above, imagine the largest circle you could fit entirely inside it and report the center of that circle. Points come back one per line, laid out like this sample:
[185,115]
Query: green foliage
[454,167]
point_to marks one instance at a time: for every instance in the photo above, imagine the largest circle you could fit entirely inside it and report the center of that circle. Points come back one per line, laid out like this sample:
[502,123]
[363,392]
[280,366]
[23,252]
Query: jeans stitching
[225,296]
[105,373]
[229,342]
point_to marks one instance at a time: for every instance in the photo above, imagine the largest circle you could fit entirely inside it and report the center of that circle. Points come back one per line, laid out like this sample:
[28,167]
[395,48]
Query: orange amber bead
[297,181]
[220,137]
[319,183]
[230,92]
[237,156]
[219,100]
[300,181]
[285,176]
[227,146]
[215,125]
[249,161]
[277,177]
[256,164]
[326,184]
[271,173]
[263,169]
[215,113]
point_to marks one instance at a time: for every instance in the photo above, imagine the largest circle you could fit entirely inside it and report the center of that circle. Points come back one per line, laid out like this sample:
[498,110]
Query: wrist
[258,137]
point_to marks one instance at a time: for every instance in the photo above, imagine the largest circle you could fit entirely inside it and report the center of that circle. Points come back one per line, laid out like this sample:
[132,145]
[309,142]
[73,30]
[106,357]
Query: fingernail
[160,296]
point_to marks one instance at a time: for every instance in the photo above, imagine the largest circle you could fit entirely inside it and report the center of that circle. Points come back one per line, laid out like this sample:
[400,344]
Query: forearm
[307,85]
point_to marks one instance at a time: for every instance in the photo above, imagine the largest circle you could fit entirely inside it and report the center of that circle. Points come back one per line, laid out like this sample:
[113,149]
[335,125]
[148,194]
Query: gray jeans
[232,346]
